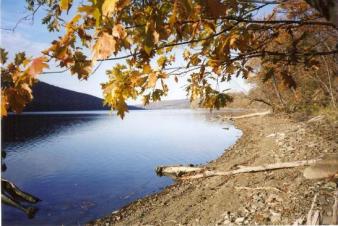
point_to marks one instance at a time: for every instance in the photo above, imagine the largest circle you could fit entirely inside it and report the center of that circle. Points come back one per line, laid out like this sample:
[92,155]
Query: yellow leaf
[37,66]
[74,20]
[97,16]
[146,69]
[148,49]
[161,61]
[119,32]
[152,78]
[209,26]
[108,7]
[104,46]
[65,4]
[4,104]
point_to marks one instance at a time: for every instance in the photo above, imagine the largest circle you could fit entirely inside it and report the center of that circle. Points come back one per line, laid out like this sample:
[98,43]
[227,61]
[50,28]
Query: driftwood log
[186,172]
[30,211]
[327,167]
[11,195]
[17,193]
[249,115]
[176,171]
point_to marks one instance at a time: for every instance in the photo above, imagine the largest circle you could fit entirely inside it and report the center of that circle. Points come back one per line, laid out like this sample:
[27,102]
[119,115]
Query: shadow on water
[27,127]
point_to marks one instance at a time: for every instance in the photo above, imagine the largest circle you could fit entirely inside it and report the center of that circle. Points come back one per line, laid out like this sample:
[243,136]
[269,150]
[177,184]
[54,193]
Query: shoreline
[271,197]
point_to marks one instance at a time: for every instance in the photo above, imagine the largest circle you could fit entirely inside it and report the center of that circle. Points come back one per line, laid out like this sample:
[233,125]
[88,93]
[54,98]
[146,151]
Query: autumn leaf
[104,46]
[152,78]
[65,4]
[156,36]
[3,56]
[18,97]
[119,32]
[215,8]
[108,7]
[161,62]
[19,58]
[176,79]
[146,69]
[37,66]
[219,37]
[122,3]
[232,40]
[4,104]
[148,49]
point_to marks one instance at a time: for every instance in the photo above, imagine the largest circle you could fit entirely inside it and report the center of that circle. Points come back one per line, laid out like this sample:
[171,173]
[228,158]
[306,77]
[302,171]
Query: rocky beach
[282,196]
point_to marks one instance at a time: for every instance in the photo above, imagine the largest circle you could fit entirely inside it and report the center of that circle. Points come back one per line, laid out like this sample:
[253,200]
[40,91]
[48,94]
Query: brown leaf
[176,79]
[215,8]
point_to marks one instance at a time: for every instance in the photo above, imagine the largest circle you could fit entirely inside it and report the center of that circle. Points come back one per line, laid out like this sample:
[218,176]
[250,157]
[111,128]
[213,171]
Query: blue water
[84,165]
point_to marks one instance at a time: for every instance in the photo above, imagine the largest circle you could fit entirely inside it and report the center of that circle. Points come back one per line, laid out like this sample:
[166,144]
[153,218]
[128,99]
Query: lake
[84,165]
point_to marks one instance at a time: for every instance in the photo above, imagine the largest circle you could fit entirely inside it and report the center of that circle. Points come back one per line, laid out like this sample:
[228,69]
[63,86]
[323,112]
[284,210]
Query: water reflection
[25,127]
[84,166]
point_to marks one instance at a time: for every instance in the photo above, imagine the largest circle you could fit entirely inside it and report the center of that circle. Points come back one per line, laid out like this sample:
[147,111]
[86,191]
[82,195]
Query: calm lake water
[84,165]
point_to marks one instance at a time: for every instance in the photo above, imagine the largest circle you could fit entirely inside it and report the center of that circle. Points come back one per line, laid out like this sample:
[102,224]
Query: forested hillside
[52,98]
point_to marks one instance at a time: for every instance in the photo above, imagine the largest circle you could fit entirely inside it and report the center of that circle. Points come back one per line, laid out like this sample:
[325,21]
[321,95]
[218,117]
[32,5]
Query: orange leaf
[104,46]
[4,104]
[146,69]
[37,66]
[119,32]
[65,4]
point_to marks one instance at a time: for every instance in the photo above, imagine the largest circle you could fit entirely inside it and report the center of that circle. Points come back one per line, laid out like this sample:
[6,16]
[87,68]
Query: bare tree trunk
[279,95]
[333,99]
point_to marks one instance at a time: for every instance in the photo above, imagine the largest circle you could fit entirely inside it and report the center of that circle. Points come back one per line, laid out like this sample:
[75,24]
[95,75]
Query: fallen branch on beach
[335,208]
[180,171]
[258,188]
[313,217]
[175,171]
[249,115]
[251,169]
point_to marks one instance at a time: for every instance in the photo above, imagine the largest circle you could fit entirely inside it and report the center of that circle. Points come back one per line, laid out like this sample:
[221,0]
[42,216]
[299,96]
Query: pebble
[275,217]
[239,220]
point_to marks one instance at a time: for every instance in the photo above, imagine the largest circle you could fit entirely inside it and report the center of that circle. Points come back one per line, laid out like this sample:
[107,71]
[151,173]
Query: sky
[33,37]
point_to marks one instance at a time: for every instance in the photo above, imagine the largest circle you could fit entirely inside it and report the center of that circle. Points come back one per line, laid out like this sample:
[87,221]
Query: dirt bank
[272,197]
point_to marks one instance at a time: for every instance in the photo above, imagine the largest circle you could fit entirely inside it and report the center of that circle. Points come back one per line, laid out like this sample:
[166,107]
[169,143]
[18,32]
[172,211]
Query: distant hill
[52,98]
[169,104]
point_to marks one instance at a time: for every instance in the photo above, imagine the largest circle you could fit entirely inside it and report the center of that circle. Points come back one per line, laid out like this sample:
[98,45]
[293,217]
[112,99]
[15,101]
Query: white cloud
[15,42]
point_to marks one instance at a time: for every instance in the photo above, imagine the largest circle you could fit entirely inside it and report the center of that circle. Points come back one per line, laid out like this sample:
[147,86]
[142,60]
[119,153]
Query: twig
[335,208]
[309,218]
